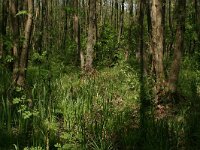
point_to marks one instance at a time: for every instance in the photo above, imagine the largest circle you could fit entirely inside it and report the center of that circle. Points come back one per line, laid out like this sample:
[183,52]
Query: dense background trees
[99,74]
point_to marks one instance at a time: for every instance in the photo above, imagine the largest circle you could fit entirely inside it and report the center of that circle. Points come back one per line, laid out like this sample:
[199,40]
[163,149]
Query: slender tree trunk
[148,17]
[149,54]
[171,28]
[163,24]
[121,26]
[76,27]
[91,40]
[116,15]
[179,45]
[112,11]
[197,19]
[101,12]
[105,13]
[3,25]
[143,57]
[86,6]
[141,37]
[130,38]
[65,26]
[42,27]
[24,52]
[83,24]
[130,15]
[15,31]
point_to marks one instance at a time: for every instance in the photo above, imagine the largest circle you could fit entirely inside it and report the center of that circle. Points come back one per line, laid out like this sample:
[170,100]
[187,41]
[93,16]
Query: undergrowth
[99,112]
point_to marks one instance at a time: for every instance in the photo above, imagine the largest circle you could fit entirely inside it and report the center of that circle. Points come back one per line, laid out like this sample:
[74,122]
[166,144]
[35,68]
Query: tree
[3,25]
[121,26]
[179,45]
[91,39]
[15,34]
[76,28]
[20,64]
[156,45]
[170,85]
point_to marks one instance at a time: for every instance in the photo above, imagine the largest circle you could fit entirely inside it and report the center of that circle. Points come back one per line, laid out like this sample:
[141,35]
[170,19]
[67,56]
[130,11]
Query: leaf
[22,12]
[9,59]
[57,145]
[26,114]
[16,100]
[18,89]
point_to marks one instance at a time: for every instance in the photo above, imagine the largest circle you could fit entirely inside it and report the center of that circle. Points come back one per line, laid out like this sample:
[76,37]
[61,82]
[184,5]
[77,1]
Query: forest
[99,74]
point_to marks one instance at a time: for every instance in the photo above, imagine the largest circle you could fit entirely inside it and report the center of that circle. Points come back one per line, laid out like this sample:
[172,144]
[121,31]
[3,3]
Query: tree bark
[156,45]
[170,27]
[76,29]
[148,10]
[112,11]
[91,40]
[130,38]
[116,15]
[197,19]
[179,45]
[141,38]
[15,31]
[65,26]
[121,26]
[41,40]
[163,24]
[3,26]
[24,52]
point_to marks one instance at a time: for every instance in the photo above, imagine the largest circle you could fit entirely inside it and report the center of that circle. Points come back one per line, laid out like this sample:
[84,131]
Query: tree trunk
[41,40]
[163,24]
[130,38]
[121,26]
[15,31]
[197,19]
[179,45]
[116,15]
[65,26]
[112,12]
[148,17]
[91,40]
[76,29]
[25,46]
[141,38]
[3,26]
[156,45]
[171,28]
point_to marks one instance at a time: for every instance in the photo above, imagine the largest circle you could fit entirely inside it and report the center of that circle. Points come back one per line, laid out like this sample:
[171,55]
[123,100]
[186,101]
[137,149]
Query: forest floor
[100,112]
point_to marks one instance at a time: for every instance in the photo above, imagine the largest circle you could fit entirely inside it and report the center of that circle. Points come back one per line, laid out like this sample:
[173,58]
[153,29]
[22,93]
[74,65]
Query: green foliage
[7,41]
[69,10]
[37,75]
[65,110]
[98,112]
[5,79]
[106,47]
[189,81]
[22,12]
[92,107]
[38,59]
[33,148]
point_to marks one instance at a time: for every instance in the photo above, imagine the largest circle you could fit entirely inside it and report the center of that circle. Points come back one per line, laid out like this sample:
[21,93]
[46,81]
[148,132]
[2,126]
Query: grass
[100,112]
